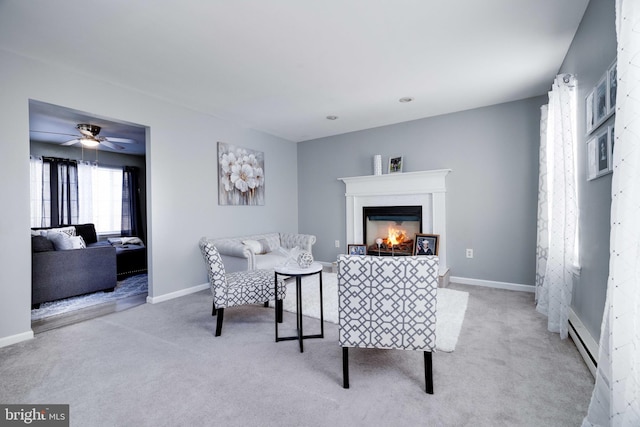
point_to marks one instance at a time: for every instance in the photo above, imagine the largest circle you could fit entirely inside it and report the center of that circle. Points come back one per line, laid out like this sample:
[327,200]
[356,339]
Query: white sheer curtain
[86,172]
[36,166]
[616,396]
[557,249]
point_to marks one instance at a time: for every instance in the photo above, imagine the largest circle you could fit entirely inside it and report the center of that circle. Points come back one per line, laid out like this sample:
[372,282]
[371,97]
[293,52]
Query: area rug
[451,307]
[131,286]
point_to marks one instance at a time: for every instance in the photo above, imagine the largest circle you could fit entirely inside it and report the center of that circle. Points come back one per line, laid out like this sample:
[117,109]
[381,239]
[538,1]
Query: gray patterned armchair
[390,303]
[238,288]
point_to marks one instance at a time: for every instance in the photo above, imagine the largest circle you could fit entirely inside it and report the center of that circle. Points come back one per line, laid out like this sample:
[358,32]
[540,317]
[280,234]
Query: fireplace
[391,230]
[422,188]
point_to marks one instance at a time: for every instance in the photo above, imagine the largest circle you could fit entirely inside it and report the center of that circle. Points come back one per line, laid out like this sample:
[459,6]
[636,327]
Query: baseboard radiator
[587,346]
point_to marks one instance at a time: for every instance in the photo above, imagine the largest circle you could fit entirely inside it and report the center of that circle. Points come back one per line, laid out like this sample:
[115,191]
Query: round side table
[299,273]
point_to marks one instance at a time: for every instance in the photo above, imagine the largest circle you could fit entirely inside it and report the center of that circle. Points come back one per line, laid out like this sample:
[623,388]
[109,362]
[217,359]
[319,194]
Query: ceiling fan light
[88,142]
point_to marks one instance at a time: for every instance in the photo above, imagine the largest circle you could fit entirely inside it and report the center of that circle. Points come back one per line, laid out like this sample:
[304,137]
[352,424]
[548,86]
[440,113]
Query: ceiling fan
[89,137]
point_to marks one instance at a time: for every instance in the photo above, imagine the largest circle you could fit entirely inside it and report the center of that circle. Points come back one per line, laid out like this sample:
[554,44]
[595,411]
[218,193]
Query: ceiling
[55,124]
[283,66]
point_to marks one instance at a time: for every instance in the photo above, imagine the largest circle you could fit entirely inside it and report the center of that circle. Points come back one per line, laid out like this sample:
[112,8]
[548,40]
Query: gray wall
[592,51]
[181,179]
[492,191]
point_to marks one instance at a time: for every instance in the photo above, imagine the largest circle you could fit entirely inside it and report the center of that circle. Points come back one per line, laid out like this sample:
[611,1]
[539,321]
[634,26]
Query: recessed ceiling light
[332,117]
[406,99]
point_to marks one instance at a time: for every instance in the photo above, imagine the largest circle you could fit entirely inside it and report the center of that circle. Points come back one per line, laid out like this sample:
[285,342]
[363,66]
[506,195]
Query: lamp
[89,142]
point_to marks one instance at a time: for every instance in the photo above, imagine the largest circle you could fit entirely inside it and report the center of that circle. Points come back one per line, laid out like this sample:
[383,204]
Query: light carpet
[450,310]
[133,285]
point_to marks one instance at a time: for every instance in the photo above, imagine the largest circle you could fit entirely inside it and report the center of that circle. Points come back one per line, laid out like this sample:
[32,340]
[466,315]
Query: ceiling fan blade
[111,145]
[55,133]
[71,142]
[121,140]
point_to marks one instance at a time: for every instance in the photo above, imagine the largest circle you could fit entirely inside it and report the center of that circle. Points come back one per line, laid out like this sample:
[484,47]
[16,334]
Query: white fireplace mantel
[424,188]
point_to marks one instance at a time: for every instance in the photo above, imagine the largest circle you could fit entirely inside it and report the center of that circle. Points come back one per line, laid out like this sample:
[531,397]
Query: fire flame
[395,236]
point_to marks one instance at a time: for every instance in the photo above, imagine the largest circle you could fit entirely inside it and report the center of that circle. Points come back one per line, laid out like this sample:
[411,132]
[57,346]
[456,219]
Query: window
[107,199]
[98,200]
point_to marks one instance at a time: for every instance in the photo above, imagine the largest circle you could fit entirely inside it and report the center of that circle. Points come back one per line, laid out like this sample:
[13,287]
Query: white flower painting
[240,175]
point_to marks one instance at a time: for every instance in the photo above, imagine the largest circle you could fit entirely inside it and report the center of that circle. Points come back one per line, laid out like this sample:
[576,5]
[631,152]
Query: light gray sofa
[238,256]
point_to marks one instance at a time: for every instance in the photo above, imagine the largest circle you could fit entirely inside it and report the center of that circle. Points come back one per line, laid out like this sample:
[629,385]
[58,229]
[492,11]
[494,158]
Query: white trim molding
[177,294]
[493,284]
[15,339]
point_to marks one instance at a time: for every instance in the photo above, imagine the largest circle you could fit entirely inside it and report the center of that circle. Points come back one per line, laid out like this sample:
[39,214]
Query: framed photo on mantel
[395,164]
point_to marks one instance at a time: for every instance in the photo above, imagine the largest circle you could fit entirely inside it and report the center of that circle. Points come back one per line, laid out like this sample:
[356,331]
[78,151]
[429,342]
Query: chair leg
[428,372]
[345,367]
[213,308]
[219,321]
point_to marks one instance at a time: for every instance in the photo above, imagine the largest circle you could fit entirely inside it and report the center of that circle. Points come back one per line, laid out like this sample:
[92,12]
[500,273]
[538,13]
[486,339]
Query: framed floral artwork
[240,176]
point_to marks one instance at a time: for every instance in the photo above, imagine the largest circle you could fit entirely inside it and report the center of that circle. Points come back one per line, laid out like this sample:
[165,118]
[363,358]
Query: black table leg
[299,310]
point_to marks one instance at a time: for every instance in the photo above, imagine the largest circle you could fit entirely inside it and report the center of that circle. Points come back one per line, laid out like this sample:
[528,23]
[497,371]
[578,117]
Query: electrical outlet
[469,253]
[337,243]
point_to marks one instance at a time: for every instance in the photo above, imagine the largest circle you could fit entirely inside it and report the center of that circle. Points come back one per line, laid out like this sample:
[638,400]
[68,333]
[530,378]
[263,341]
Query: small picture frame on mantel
[356,249]
[395,164]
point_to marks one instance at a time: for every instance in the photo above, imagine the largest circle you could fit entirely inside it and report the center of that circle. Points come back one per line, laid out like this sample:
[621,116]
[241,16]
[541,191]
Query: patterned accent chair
[238,288]
[390,303]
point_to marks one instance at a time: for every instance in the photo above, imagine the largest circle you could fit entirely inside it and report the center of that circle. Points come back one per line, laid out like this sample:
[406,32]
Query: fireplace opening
[391,230]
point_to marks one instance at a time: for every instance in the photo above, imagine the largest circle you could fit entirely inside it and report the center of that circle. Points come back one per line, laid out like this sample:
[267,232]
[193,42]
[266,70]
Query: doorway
[102,145]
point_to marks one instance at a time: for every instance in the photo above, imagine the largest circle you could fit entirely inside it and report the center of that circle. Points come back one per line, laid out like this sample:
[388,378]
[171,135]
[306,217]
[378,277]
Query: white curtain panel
[85,192]
[616,396]
[542,246]
[36,166]
[559,195]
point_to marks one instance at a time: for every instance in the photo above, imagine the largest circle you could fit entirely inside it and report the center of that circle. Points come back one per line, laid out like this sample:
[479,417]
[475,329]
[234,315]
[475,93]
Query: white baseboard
[493,284]
[14,339]
[586,344]
[177,294]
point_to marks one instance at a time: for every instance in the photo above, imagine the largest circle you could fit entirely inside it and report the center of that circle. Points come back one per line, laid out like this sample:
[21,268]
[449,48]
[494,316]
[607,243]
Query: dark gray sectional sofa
[58,274]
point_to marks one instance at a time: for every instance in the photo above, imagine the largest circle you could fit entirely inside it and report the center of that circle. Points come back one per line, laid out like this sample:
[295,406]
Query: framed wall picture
[395,164]
[426,244]
[240,176]
[601,108]
[599,154]
[588,108]
[357,249]
[592,167]
[612,140]
[612,76]
[602,145]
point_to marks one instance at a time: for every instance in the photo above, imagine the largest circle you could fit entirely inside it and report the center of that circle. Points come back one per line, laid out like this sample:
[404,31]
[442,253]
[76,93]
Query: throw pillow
[87,231]
[77,242]
[63,242]
[41,244]
[258,246]
[69,231]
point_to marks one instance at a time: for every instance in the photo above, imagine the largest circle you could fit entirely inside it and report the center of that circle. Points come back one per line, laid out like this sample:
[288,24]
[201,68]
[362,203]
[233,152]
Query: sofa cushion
[63,242]
[269,261]
[88,233]
[258,246]
[41,244]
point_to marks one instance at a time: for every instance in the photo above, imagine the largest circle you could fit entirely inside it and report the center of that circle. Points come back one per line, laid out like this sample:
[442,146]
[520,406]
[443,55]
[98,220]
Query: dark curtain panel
[63,186]
[131,210]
